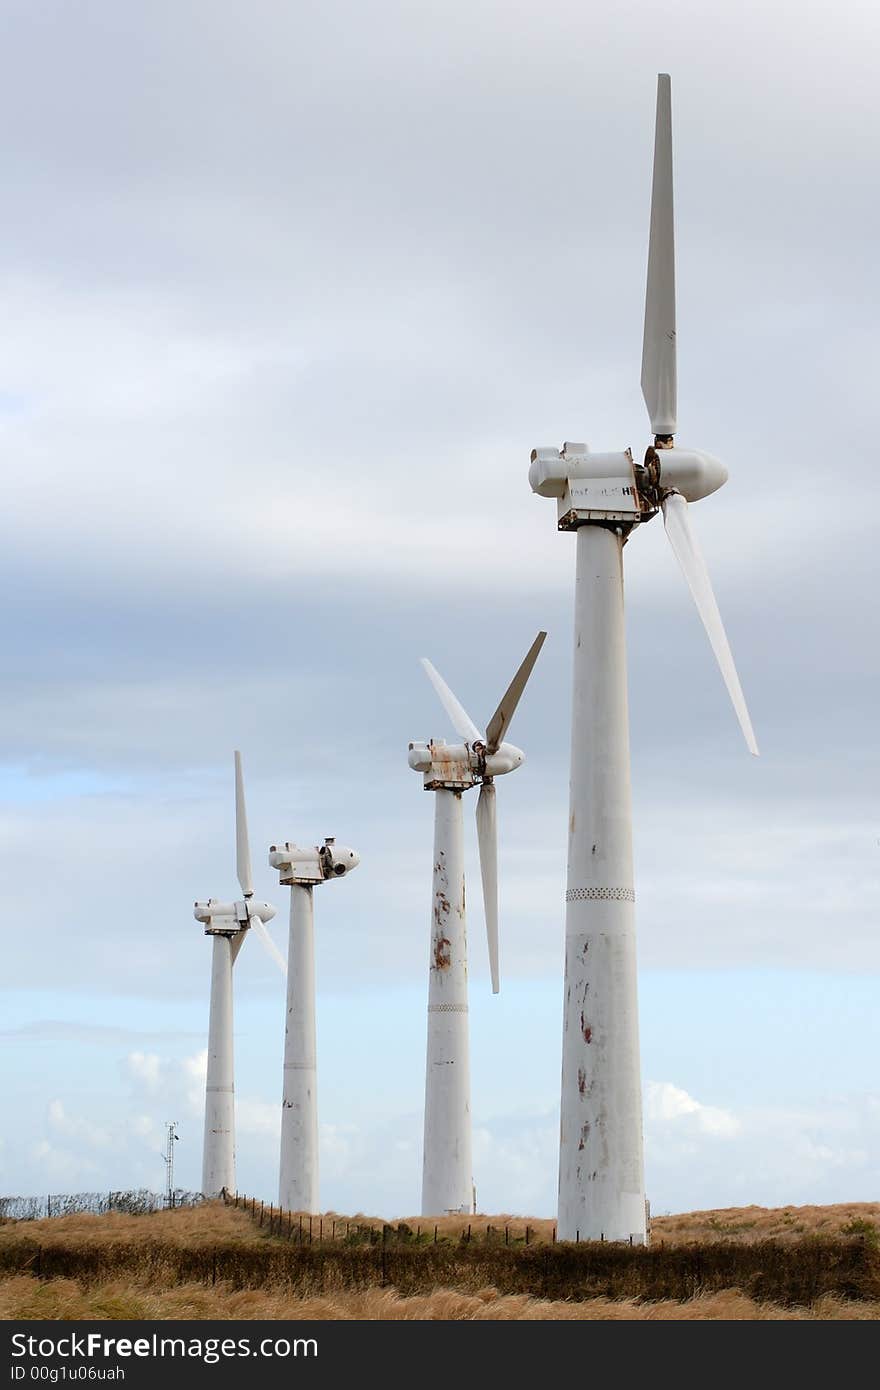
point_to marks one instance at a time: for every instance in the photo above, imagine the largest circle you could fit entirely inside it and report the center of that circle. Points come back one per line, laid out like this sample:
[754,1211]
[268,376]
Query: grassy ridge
[221,1261]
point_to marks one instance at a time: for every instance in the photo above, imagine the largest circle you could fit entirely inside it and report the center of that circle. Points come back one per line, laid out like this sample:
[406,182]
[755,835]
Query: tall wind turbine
[228,924]
[302,869]
[603,498]
[450,769]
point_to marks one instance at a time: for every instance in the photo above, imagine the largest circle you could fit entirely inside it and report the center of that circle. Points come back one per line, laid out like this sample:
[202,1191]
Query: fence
[302,1229]
[134,1202]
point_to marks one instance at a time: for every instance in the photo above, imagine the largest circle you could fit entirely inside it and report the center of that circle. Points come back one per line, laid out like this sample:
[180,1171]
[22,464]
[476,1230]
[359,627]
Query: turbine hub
[689,471]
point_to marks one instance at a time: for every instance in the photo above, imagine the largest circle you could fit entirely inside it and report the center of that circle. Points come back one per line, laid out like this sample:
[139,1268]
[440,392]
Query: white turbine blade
[462,723]
[658,346]
[242,847]
[268,943]
[683,541]
[500,721]
[487,838]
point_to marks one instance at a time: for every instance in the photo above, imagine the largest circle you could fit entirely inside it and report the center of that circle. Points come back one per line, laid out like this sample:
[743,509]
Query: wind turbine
[603,498]
[450,769]
[228,924]
[302,869]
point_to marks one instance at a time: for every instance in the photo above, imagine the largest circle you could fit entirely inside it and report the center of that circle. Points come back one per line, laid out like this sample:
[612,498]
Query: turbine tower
[450,769]
[302,869]
[228,924]
[603,498]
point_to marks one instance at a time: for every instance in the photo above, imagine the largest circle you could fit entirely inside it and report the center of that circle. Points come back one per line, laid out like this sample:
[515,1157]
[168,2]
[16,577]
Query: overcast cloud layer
[289,293]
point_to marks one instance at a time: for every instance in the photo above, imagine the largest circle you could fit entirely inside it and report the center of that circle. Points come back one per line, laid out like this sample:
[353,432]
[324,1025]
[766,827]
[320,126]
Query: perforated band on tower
[447,1008]
[616,895]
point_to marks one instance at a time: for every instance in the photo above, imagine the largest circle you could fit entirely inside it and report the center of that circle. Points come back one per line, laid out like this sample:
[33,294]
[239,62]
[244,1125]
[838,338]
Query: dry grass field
[131,1267]
[25,1297]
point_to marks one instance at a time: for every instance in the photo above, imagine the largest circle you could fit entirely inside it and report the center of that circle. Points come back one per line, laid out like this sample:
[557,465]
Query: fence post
[506,1235]
[435,1235]
[320,1228]
[527,1234]
[261,1213]
[384,1239]
[554,1236]
[310,1230]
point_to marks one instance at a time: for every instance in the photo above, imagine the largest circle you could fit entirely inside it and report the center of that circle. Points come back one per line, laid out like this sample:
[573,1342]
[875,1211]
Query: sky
[290,291]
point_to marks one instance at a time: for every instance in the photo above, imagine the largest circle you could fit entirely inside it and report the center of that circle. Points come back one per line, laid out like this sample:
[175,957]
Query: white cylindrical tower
[447,1175]
[601,1171]
[218,1154]
[298,1184]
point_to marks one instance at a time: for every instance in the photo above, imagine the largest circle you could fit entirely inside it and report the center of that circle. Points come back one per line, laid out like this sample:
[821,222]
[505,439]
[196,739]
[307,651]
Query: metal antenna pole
[171,1139]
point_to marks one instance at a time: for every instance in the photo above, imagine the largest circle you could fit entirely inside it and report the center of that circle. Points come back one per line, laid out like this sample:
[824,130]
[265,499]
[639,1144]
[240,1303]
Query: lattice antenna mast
[171,1138]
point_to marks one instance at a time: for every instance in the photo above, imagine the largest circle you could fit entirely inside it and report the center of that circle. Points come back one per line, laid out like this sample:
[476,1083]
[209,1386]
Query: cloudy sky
[289,292]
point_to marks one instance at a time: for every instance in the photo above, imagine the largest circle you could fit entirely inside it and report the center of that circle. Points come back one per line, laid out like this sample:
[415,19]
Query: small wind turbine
[603,497]
[301,869]
[450,769]
[228,924]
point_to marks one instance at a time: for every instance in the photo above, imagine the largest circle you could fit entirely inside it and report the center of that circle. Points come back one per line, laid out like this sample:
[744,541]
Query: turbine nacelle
[462,765]
[611,488]
[312,865]
[228,918]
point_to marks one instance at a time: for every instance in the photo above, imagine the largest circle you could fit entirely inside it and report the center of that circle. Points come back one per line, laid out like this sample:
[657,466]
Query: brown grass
[742,1224]
[202,1226]
[214,1261]
[746,1224]
[23,1297]
[189,1227]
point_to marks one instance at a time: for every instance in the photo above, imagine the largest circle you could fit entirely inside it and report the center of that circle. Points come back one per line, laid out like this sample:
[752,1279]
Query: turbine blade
[500,721]
[659,386]
[487,838]
[462,723]
[676,518]
[242,847]
[268,943]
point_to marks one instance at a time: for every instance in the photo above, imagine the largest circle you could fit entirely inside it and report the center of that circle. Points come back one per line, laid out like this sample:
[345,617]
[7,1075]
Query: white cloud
[256,1117]
[665,1103]
[144,1067]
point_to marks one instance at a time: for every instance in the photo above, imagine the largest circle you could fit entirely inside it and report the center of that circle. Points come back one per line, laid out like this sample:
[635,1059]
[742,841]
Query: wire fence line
[133,1202]
[302,1229]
